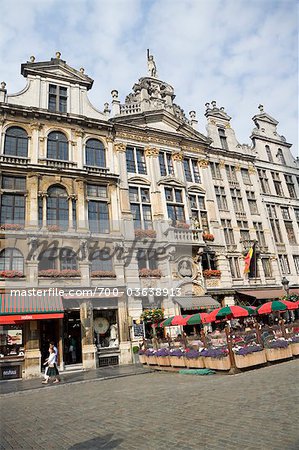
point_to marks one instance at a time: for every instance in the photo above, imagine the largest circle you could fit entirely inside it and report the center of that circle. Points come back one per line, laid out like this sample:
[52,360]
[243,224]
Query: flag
[247,260]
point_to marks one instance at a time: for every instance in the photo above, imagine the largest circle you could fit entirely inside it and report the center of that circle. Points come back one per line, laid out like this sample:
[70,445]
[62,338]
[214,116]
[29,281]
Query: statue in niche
[113,340]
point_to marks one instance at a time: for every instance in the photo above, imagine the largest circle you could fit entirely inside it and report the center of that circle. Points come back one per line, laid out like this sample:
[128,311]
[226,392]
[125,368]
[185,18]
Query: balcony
[61,164]
[130,108]
[8,159]
[184,236]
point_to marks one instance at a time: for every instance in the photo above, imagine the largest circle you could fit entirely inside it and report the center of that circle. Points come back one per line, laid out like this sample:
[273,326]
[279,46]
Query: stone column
[32,351]
[70,205]
[82,224]
[90,358]
[124,338]
[60,344]
[44,199]
[80,158]
[32,201]
[33,149]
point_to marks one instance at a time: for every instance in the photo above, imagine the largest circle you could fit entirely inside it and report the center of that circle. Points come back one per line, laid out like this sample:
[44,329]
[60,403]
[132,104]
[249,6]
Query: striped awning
[197,302]
[22,306]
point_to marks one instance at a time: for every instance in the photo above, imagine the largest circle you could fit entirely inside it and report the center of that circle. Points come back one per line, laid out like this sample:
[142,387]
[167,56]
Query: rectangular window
[252,202]
[245,176]
[13,183]
[244,230]
[296,262]
[57,98]
[230,173]
[284,264]
[277,183]
[228,231]
[290,185]
[237,200]
[258,226]
[285,213]
[290,232]
[98,211]
[223,140]
[215,169]
[264,181]
[221,198]
[94,190]
[141,207]
[276,231]
[135,160]
[198,212]
[147,259]
[234,267]
[166,164]
[266,263]
[280,157]
[191,170]
[12,201]
[296,211]
[175,205]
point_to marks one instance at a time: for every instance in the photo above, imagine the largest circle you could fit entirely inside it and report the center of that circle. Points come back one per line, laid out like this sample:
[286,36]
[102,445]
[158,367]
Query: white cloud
[238,53]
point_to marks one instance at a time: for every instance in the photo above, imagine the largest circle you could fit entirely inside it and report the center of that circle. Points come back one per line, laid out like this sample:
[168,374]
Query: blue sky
[236,52]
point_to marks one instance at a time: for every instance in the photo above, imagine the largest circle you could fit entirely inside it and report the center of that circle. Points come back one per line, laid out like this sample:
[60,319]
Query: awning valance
[16,306]
[263,294]
[197,302]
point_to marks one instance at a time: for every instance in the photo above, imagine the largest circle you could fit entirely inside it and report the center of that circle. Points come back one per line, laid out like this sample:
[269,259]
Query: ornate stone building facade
[132,198]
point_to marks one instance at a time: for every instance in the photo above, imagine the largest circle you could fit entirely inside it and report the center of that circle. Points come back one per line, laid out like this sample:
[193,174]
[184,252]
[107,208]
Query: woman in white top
[51,372]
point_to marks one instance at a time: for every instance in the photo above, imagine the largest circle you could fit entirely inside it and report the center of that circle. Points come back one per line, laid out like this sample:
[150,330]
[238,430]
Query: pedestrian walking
[56,359]
[52,371]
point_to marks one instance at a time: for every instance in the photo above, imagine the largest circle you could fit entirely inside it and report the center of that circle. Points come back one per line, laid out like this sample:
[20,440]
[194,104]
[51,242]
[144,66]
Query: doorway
[49,332]
[72,337]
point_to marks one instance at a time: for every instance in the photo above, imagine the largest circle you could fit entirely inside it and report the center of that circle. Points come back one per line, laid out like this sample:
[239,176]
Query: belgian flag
[250,261]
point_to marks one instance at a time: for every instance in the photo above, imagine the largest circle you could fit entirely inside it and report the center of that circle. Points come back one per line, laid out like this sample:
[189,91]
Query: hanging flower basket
[11,274]
[155,315]
[103,274]
[145,233]
[11,227]
[211,273]
[150,273]
[208,237]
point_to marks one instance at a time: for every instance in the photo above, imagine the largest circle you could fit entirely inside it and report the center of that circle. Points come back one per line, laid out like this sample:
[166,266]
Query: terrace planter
[295,348]
[163,361]
[217,363]
[274,354]
[142,359]
[252,359]
[178,361]
[152,360]
[195,363]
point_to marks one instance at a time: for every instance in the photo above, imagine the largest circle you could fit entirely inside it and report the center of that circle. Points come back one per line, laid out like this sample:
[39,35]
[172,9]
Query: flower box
[295,348]
[54,228]
[195,363]
[163,361]
[142,359]
[53,273]
[217,363]
[208,237]
[274,354]
[152,360]
[11,227]
[252,359]
[178,361]
[11,274]
[145,233]
[103,274]
[211,273]
[183,225]
[150,273]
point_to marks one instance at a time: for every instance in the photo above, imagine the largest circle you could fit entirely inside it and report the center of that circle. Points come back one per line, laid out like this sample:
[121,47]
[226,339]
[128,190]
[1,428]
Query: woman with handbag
[52,371]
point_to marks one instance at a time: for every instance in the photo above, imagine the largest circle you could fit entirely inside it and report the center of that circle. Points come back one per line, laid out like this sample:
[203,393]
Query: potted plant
[177,358]
[250,355]
[208,237]
[294,344]
[194,360]
[135,350]
[150,353]
[209,273]
[163,358]
[145,233]
[216,358]
[150,273]
[142,356]
[278,349]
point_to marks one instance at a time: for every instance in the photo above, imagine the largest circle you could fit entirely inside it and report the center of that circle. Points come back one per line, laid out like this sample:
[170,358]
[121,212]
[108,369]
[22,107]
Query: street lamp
[285,283]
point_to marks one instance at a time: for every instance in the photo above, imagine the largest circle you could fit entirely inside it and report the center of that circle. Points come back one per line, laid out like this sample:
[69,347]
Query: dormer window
[223,140]
[57,98]
[269,154]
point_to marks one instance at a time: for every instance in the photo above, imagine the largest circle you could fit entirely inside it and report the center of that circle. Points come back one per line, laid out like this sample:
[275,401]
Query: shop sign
[10,372]
[138,328]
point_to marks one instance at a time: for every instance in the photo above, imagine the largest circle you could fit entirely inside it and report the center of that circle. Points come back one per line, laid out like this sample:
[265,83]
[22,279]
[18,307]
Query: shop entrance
[49,332]
[72,337]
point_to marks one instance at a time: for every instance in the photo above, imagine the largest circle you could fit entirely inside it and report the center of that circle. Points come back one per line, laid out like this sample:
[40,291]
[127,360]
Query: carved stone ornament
[151,151]
[251,169]
[36,126]
[227,125]
[221,164]
[197,290]
[204,163]
[120,147]
[237,167]
[178,156]
[79,132]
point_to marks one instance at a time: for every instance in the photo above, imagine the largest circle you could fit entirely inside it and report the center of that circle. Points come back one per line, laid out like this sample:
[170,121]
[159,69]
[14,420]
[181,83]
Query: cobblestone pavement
[253,410]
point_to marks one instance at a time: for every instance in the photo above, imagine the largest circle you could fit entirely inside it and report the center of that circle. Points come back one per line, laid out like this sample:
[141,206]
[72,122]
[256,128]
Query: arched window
[57,207]
[57,146]
[280,157]
[68,259]
[47,259]
[11,259]
[95,153]
[101,261]
[16,142]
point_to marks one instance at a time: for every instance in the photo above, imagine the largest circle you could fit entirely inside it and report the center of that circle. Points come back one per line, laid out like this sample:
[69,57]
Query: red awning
[267,293]
[19,306]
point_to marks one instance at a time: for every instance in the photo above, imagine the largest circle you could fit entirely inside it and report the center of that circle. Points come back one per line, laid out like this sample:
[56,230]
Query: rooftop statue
[151,65]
